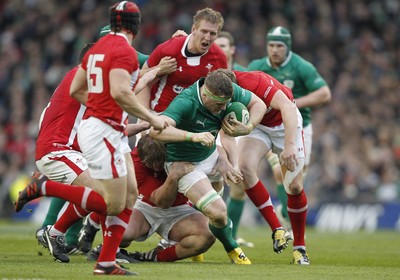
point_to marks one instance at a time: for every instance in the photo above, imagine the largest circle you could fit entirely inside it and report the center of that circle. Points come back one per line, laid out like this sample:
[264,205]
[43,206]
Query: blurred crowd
[355,45]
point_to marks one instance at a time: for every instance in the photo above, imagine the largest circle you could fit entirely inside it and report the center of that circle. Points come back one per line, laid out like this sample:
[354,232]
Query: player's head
[152,153]
[125,15]
[226,42]
[280,35]
[217,92]
[206,25]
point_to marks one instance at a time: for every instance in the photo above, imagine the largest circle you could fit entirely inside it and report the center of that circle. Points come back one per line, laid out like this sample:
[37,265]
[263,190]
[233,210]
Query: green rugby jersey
[189,113]
[297,74]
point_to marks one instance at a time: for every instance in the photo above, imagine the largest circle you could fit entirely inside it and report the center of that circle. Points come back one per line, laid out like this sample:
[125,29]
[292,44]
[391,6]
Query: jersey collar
[122,35]
[185,45]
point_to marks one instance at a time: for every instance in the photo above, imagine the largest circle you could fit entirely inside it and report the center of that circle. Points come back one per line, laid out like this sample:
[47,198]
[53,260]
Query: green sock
[55,206]
[235,210]
[282,196]
[224,235]
[71,237]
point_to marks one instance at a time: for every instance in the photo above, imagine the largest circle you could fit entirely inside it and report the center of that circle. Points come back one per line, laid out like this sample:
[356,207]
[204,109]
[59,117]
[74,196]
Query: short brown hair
[209,15]
[228,73]
[219,84]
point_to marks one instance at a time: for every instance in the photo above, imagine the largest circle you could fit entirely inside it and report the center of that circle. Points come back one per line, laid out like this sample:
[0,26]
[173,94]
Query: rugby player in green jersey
[195,118]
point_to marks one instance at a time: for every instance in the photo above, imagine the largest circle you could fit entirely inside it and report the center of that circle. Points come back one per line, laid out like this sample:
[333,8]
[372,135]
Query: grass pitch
[358,255]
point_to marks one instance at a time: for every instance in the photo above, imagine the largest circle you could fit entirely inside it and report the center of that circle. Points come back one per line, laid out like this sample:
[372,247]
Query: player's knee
[205,241]
[295,188]
[246,170]
[114,208]
[217,215]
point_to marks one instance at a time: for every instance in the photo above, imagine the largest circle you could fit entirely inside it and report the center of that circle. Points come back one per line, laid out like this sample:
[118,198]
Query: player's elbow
[162,203]
[326,95]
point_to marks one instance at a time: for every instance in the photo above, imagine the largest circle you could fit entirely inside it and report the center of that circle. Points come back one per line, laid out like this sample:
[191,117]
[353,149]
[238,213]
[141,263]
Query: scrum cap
[280,34]
[125,14]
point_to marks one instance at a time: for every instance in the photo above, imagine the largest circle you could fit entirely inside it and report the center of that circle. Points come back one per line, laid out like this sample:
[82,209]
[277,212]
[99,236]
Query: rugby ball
[237,111]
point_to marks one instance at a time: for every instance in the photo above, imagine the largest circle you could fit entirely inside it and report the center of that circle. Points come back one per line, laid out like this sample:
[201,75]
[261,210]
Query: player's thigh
[193,224]
[63,166]
[252,150]
[132,191]
[138,226]
[114,191]
[84,179]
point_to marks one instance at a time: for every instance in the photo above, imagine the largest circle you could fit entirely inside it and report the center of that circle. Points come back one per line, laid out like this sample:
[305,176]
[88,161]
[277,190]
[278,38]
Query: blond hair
[209,15]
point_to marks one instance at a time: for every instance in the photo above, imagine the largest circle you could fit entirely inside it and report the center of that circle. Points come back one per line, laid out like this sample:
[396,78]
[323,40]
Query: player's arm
[146,79]
[228,159]
[315,98]
[78,89]
[135,128]
[257,110]
[121,92]
[165,195]
[173,134]
[289,116]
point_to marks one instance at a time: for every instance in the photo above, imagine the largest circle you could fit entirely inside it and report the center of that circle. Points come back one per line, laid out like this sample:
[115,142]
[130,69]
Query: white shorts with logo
[162,220]
[104,149]
[274,137]
[62,166]
[201,171]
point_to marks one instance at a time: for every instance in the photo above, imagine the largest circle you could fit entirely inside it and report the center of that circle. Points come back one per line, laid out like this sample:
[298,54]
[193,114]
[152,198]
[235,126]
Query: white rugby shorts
[104,149]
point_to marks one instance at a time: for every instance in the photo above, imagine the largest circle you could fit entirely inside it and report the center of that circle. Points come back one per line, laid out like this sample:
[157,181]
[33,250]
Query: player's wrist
[250,126]
[188,136]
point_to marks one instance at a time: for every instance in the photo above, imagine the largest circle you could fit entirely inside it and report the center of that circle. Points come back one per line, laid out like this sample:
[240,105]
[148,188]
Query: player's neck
[191,49]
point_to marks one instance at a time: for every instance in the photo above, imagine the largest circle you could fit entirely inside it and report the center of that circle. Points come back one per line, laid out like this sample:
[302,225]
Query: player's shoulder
[171,47]
[255,63]
[300,62]
[173,42]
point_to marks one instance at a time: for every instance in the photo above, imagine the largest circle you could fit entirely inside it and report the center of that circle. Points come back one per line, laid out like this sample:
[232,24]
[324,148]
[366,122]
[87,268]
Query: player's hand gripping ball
[237,111]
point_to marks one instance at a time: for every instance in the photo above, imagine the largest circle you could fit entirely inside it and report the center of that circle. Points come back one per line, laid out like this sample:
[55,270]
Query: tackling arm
[122,94]
[289,116]
[165,195]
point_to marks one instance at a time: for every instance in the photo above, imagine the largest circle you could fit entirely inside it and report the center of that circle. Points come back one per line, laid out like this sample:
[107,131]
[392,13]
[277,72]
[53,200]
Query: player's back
[110,52]
[264,86]
[60,120]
